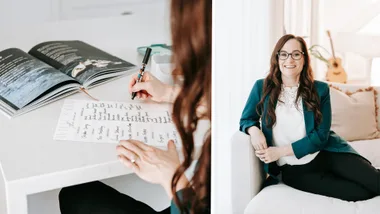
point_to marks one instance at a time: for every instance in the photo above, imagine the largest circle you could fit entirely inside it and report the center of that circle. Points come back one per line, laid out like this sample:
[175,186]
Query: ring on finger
[134,159]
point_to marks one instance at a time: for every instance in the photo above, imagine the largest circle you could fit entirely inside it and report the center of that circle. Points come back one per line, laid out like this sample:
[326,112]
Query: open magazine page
[24,78]
[80,60]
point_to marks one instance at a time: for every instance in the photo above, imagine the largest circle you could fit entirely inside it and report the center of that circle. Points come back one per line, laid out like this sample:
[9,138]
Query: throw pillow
[354,114]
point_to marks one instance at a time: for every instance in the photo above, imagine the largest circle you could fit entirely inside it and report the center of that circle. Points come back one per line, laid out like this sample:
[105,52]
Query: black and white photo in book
[52,70]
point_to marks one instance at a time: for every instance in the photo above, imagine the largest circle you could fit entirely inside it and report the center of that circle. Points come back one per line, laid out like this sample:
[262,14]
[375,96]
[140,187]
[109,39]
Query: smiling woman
[288,117]
[292,66]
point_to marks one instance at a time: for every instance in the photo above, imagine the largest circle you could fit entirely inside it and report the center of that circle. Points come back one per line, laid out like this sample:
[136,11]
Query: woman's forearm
[171,94]
[252,129]
[182,183]
[287,150]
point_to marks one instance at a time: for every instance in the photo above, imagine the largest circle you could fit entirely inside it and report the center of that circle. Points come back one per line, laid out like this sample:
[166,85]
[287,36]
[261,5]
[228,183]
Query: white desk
[31,160]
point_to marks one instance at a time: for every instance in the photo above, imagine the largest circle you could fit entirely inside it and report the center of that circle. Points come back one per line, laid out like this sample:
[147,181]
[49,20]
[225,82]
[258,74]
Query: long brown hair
[273,81]
[191,35]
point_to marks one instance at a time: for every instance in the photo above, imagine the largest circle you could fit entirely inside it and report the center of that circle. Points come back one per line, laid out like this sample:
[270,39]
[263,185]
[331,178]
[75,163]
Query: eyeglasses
[296,55]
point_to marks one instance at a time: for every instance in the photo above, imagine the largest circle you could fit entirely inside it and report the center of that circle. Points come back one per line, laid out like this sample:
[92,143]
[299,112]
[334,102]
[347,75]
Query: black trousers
[98,198]
[340,175]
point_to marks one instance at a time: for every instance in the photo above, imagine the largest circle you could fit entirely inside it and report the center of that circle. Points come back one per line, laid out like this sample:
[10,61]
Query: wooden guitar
[335,72]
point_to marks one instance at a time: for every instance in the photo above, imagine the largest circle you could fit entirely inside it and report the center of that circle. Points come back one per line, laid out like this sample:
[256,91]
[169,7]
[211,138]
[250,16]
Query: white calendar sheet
[110,122]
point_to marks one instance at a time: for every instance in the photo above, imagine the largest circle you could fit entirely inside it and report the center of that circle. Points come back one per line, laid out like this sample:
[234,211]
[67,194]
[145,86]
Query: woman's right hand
[258,140]
[150,87]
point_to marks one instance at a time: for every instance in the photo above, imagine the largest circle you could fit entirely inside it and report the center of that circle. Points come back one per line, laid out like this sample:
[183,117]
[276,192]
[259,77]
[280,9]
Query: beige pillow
[354,114]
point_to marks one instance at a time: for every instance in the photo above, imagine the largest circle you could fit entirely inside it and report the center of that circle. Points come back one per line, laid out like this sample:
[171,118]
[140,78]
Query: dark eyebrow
[290,52]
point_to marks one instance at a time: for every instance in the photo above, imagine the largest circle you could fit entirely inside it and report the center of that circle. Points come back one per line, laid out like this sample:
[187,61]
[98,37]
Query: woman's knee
[378,182]
[67,199]
[360,196]
[75,194]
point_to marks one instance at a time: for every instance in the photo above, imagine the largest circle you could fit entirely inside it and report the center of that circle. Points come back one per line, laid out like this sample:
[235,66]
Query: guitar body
[335,72]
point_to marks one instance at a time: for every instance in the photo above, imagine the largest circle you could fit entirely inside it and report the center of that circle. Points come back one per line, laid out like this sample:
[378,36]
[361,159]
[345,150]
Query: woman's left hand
[269,155]
[149,163]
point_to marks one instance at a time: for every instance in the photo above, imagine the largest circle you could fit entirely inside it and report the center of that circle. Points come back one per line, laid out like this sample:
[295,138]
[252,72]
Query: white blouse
[290,125]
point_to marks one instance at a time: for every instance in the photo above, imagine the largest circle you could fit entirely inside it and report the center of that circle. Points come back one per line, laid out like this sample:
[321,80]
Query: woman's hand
[149,163]
[258,140]
[270,154]
[150,87]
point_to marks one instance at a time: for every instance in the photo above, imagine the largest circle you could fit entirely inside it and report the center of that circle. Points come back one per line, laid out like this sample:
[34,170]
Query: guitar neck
[331,43]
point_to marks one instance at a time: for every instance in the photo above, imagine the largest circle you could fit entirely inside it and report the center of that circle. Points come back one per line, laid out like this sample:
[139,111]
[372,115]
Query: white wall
[243,37]
[23,12]
[373,28]
[16,30]
[19,13]
[350,16]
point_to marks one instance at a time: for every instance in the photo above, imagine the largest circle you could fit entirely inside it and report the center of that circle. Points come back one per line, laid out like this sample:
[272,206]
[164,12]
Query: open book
[52,70]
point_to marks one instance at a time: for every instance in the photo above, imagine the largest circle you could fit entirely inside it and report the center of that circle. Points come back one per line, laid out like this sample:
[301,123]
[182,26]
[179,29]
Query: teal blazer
[173,207]
[317,137]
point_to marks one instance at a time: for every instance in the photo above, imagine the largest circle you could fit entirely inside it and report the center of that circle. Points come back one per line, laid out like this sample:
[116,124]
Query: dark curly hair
[191,34]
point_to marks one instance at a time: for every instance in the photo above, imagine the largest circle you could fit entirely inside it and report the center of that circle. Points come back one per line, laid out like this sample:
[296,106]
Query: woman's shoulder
[259,83]
[257,88]
[322,87]
[321,84]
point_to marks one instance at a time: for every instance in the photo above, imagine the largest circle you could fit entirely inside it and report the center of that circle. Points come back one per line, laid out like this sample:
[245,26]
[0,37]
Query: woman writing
[192,57]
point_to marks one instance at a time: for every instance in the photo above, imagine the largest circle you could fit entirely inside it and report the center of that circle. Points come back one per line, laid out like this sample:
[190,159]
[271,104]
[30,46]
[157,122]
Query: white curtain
[297,17]
[303,18]
[243,38]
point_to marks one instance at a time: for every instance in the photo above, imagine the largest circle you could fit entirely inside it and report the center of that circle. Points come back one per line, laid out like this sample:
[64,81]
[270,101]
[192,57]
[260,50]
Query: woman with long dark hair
[191,35]
[288,116]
